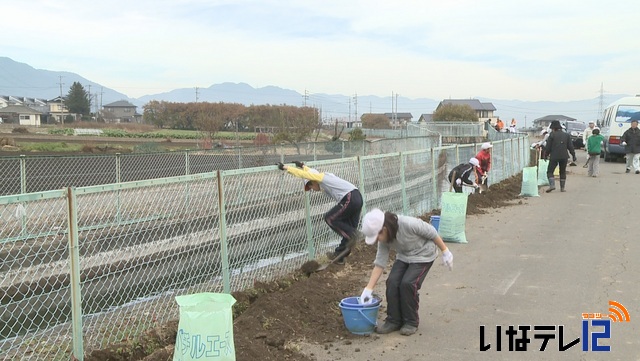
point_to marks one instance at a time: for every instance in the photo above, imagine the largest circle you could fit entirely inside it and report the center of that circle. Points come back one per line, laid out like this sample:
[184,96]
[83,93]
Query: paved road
[543,262]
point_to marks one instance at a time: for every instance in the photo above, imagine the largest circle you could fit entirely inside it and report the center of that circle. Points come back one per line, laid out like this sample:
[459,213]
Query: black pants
[403,283]
[344,217]
[562,163]
[457,188]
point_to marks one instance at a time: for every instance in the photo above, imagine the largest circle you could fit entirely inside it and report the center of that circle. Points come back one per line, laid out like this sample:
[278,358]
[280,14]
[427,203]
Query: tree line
[287,123]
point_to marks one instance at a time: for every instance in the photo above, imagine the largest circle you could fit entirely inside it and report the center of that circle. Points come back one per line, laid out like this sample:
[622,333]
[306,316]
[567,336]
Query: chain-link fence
[86,267]
[447,129]
[28,174]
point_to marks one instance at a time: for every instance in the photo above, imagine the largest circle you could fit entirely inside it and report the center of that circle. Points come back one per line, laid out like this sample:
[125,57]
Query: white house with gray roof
[121,112]
[20,114]
[484,111]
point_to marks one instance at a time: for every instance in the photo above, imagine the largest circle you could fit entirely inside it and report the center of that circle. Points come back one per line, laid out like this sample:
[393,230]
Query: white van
[616,119]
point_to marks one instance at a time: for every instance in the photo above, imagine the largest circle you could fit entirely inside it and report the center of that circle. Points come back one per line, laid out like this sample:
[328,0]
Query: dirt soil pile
[271,318]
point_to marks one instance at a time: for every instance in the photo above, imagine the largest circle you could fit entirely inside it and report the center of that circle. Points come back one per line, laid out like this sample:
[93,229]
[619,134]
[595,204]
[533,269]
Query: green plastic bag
[205,330]
[453,216]
[529,182]
[543,180]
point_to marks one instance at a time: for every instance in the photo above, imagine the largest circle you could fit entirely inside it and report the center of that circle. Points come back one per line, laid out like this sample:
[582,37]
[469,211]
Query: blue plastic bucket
[435,222]
[359,319]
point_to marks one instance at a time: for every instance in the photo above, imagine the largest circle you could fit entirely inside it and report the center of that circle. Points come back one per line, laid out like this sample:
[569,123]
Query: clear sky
[526,50]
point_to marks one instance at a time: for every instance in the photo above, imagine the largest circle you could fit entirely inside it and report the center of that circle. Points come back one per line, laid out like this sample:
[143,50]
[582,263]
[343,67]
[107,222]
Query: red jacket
[485,162]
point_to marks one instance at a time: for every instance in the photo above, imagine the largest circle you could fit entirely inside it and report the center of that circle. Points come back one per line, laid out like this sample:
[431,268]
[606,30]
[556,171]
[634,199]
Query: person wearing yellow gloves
[344,217]
[416,243]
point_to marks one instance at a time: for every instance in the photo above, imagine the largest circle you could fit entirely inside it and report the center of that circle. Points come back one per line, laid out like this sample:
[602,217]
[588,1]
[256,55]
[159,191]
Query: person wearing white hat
[461,173]
[484,157]
[344,217]
[587,132]
[416,244]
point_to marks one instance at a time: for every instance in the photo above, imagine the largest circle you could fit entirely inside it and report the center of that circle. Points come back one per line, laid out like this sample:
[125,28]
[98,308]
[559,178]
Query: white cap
[372,223]
[475,162]
[486,145]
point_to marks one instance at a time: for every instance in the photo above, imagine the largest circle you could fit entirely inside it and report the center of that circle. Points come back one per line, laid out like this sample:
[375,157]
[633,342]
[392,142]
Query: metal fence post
[74,261]
[361,186]
[118,180]
[23,189]
[403,185]
[186,162]
[307,212]
[504,159]
[23,174]
[226,276]
[435,176]
[282,153]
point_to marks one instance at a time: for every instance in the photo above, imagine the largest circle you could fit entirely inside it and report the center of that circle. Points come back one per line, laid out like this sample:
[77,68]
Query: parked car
[575,129]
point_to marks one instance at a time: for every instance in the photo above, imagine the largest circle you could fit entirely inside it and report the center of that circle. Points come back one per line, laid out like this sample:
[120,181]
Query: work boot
[628,170]
[552,184]
[562,182]
[408,330]
[387,327]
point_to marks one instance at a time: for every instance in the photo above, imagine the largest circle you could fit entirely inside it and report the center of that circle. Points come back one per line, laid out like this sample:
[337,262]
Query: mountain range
[21,80]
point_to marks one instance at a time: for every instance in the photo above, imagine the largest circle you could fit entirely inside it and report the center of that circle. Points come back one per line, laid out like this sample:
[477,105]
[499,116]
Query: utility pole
[305,97]
[349,110]
[101,92]
[95,97]
[393,114]
[61,101]
[355,103]
[196,94]
[601,105]
[394,110]
[89,93]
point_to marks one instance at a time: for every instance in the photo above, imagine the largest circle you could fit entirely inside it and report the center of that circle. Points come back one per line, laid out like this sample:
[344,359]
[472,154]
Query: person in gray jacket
[631,141]
[416,243]
[344,217]
[558,147]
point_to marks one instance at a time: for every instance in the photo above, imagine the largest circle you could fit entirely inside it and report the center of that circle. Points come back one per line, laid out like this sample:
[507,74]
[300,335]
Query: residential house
[398,118]
[425,118]
[33,103]
[541,123]
[20,114]
[484,111]
[121,112]
[58,111]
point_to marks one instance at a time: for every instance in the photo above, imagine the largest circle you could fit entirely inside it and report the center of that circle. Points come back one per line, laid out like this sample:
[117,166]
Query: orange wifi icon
[619,313]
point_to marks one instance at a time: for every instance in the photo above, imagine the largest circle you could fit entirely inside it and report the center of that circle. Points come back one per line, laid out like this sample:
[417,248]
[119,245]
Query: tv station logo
[595,328]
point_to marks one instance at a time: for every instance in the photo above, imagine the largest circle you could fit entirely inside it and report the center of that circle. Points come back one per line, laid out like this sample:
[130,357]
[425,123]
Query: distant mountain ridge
[22,80]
